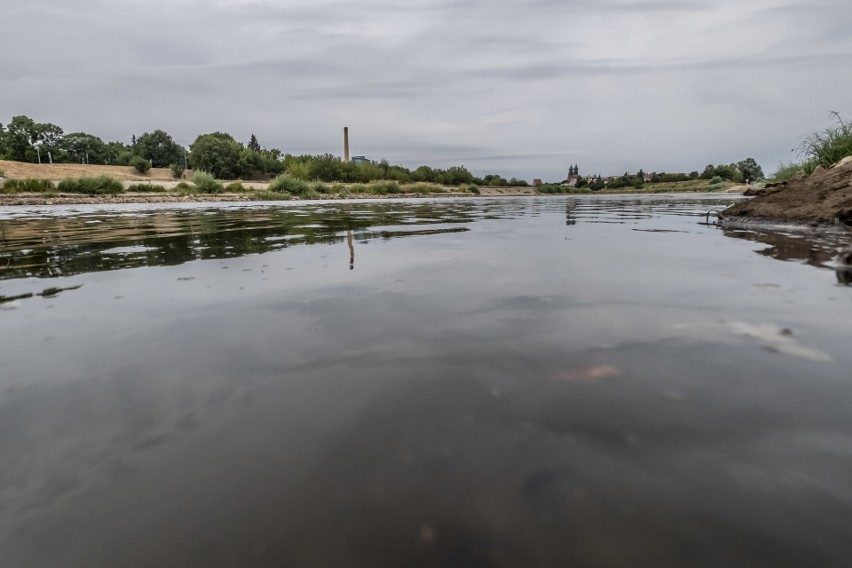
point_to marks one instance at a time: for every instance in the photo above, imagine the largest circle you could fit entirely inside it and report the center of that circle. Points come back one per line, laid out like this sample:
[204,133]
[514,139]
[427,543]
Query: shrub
[100,185]
[146,188]
[27,186]
[184,188]
[123,158]
[286,183]
[473,188]
[384,187]
[716,180]
[206,183]
[320,187]
[235,187]
[140,164]
[177,170]
[358,188]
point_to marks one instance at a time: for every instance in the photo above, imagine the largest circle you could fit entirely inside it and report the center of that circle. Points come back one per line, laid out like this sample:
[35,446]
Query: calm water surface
[512,382]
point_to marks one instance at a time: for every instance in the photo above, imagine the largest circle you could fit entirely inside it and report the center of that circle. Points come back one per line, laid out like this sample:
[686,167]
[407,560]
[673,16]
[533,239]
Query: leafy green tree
[79,147]
[250,163]
[114,149]
[424,173]
[750,169]
[493,180]
[457,175]
[326,167]
[23,133]
[216,153]
[273,162]
[159,148]
[299,170]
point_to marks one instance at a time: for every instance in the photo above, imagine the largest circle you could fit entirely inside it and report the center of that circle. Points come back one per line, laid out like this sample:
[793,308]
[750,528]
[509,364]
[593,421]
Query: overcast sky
[522,88]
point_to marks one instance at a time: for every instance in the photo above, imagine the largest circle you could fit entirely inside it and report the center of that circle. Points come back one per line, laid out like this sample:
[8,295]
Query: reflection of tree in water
[62,246]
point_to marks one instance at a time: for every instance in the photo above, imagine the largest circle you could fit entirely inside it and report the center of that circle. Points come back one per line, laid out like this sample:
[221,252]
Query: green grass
[99,185]
[827,147]
[146,188]
[271,196]
[184,188]
[27,186]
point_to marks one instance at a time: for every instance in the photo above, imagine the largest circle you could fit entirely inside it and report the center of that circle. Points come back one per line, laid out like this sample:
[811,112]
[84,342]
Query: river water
[593,381]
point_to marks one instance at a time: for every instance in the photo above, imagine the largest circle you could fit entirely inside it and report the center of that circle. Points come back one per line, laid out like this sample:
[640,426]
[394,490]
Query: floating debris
[772,337]
[588,374]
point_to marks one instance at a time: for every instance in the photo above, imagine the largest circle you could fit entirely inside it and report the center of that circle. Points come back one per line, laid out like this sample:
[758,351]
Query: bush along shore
[205,187]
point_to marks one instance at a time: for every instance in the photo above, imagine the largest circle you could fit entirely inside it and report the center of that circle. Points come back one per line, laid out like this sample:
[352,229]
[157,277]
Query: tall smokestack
[346,144]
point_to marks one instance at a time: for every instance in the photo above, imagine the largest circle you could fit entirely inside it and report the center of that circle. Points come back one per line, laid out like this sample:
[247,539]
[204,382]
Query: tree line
[218,153]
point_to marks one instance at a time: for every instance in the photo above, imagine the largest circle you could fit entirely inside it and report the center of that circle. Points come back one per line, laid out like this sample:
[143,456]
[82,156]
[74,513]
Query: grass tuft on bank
[98,185]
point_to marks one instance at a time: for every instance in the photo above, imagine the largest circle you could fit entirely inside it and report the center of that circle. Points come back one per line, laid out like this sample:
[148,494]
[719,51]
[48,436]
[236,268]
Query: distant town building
[573,176]
[360,160]
[536,182]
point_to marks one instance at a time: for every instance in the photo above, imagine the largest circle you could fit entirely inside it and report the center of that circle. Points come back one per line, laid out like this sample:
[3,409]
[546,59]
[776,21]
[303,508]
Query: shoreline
[28,199]
[23,199]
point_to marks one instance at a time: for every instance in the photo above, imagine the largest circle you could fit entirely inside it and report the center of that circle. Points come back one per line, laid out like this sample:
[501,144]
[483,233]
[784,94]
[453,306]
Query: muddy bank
[824,197]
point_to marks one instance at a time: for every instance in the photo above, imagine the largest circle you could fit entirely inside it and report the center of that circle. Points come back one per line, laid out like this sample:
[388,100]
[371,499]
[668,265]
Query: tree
[159,148]
[23,133]
[253,144]
[424,173]
[273,162]
[116,149]
[250,163]
[326,167]
[79,147]
[217,153]
[457,175]
[750,169]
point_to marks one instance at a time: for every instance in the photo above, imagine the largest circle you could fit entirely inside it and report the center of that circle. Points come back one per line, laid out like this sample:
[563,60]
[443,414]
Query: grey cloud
[522,88]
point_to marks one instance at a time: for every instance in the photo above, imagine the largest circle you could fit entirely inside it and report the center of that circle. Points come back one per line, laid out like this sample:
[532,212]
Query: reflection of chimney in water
[346,144]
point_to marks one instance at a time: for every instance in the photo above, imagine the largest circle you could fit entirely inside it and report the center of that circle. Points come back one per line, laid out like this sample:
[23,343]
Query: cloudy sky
[518,87]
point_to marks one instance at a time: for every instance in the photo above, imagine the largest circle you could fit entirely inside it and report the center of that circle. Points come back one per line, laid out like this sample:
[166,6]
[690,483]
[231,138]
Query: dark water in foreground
[530,382]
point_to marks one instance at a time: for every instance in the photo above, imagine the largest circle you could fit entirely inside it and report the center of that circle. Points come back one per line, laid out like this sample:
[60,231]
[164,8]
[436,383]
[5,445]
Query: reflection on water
[518,382]
[822,248]
[103,240]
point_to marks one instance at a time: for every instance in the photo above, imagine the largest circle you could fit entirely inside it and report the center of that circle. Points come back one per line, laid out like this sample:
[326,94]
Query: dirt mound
[57,172]
[825,196]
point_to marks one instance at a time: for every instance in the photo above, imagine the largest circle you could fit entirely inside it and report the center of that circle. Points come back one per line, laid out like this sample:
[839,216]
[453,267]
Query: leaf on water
[587,374]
